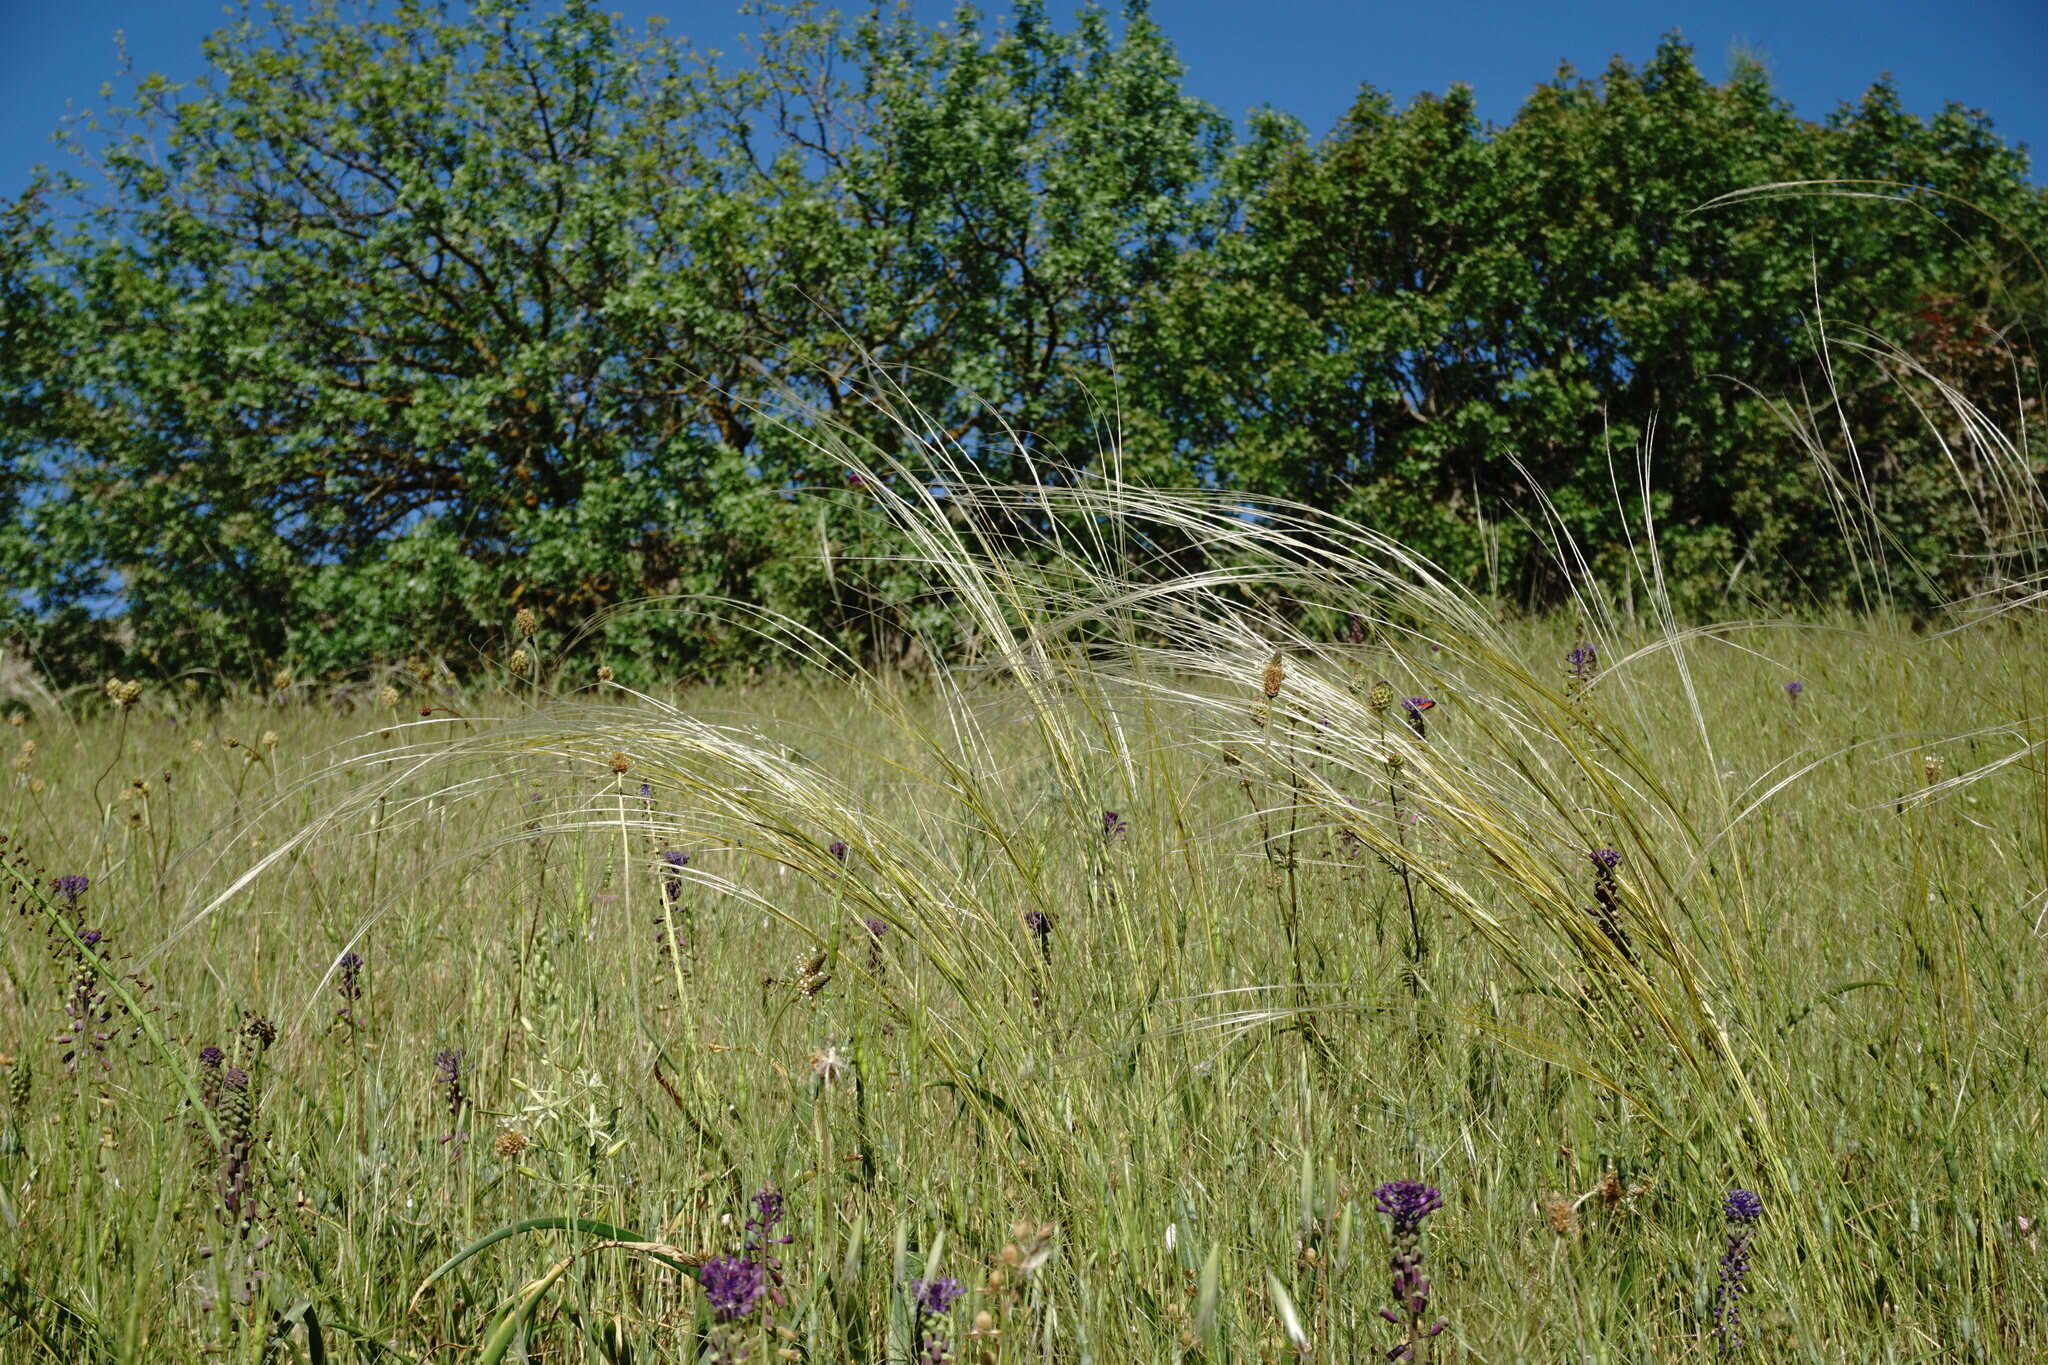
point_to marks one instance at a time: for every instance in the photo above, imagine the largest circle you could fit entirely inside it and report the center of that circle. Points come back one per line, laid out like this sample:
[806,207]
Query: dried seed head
[388,697]
[520,663]
[828,1066]
[280,680]
[1932,766]
[525,623]
[619,763]
[1558,1212]
[604,673]
[271,739]
[124,694]
[1610,1188]
[509,1144]
[1276,674]
[1381,698]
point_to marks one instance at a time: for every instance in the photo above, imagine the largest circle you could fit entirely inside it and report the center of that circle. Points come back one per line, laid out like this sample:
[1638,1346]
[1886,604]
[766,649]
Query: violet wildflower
[934,1299]
[1743,1208]
[1794,689]
[761,1235]
[673,861]
[1114,826]
[646,791]
[1607,891]
[876,928]
[348,984]
[837,848]
[733,1286]
[70,888]
[1412,708]
[449,1070]
[1582,663]
[1407,1203]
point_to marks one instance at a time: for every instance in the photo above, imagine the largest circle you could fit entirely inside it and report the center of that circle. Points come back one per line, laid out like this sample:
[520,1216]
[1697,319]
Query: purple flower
[1743,1208]
[1794,688]
[837,848]
[1605,860]
[733,1285]
[71,887]
[675,857]
[935,1298]
[236,1078]
[90,937]
[1114,826]
[1407,1202]
[211,1056]
[645,791]
[1582,662]
[876,927]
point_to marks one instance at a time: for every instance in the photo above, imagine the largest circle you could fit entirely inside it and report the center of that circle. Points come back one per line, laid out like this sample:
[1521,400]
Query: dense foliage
[389,327]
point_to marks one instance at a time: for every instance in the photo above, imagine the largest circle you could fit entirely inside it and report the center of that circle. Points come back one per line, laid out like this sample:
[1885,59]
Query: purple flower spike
[935,1298]
[1605,859]
[71,887]
[1743,1206]
[733,1285]
[1407,1202]
[211,1056]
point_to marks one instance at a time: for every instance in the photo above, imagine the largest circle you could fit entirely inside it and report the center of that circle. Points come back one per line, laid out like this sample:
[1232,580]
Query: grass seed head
[1275,676]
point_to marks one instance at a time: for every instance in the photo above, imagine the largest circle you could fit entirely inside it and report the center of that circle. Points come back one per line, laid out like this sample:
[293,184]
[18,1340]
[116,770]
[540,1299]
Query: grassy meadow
[1108,973]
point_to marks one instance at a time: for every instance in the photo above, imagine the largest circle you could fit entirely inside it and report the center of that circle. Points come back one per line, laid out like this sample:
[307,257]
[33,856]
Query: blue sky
[1305,56]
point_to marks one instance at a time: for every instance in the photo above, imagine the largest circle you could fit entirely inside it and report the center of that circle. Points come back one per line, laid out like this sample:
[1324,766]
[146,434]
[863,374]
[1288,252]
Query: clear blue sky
[1305,56]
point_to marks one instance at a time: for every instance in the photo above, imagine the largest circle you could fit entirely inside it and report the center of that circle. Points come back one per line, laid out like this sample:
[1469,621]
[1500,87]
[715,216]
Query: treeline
[386,329]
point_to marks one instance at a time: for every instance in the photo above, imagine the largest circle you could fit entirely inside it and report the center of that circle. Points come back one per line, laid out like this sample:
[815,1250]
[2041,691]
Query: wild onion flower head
[1114,826]
[935,1298]
[1794,688]
[1407,1202]
[71,887]
[733,1285]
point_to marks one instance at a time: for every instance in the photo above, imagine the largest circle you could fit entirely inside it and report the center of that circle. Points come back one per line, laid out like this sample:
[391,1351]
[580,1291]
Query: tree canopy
[387,328]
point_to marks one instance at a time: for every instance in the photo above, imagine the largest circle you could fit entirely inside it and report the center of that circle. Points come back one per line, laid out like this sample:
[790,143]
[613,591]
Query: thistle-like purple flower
[1743,1208]
[733,1285]
[1407,1203]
